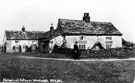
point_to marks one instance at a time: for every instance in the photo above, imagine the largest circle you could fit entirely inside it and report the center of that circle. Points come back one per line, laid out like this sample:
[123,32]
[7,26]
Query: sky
[37,15]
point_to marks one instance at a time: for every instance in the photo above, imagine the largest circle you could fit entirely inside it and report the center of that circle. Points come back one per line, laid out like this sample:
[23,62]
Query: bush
[109,53]
[104,53]
[62,50]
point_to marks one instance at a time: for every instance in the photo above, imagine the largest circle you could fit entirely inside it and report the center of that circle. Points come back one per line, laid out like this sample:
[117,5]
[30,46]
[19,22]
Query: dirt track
[62,59]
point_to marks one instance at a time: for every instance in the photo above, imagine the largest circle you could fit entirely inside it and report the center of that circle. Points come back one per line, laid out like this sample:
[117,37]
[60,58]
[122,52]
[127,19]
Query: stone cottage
[21,41]
[89,34]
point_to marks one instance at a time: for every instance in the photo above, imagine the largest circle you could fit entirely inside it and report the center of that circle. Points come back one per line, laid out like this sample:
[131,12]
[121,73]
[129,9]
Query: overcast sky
[39,14]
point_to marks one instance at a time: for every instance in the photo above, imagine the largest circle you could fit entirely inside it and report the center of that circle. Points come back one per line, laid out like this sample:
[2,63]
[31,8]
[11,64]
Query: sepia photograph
[67,41]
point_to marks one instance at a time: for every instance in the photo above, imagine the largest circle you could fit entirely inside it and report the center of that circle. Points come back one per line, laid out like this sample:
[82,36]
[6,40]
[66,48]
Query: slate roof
[27,35]
[79,27]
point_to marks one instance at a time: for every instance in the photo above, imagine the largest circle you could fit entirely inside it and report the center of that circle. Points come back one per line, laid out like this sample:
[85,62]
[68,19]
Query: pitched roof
[92,28]
[56,32]
[79,27]
[30,35]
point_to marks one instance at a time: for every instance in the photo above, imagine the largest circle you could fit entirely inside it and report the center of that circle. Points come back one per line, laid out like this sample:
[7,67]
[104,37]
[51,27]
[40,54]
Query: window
[108,42]
[33,41]
[16,41]
[82,37]
[109,38]
[82,42]
[108,46]
[82,47]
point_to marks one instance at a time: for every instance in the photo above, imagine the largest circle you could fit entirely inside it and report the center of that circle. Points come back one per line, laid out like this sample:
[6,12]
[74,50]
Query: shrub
[109,53]
[103,53]
[62,50]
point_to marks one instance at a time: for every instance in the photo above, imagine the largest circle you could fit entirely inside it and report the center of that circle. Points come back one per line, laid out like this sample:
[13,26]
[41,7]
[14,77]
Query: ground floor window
[82,47]
[33,47]
[108,46]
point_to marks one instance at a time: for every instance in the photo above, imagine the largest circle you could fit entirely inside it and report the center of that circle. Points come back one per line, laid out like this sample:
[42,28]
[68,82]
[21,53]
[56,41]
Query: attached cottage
[89,34]
[21,41]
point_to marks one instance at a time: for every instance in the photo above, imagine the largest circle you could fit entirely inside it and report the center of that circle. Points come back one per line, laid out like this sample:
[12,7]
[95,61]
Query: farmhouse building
[89,34]
[21,41]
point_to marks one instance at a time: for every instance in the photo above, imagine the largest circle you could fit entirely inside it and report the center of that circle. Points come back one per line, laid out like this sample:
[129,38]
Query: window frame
[82,46]
[109,38]
[109,42]
[108,46]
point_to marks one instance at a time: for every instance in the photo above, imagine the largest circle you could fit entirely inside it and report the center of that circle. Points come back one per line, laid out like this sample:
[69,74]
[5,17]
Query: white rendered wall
[117,41]
[11,43]
[90,41]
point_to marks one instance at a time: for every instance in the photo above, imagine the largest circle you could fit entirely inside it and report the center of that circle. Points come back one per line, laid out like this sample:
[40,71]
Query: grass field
[13,67]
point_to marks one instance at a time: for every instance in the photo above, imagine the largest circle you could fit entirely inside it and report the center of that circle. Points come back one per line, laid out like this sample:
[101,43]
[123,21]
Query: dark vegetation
[121,53]
[13,67]
[126,52]
[109,53]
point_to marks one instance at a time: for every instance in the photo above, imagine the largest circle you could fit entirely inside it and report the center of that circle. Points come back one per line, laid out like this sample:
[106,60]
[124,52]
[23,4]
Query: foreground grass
[13,67]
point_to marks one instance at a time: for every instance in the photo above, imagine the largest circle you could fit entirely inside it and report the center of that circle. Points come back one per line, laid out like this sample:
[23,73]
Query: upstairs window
[82,37]
[16,41]
[108,38]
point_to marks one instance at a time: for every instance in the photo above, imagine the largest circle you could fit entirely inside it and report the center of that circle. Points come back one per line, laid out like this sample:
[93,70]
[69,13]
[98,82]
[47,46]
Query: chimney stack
[86,18]
[23,29]
[51,29]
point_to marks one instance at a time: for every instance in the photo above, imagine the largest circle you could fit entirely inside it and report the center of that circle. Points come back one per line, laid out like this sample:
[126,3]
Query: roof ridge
[82,20]
[69,19]
[18,34]
[101,22]
[25,31]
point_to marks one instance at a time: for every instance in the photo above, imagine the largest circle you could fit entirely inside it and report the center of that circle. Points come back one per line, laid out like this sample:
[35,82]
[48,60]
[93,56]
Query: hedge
[104,53]
[109,53]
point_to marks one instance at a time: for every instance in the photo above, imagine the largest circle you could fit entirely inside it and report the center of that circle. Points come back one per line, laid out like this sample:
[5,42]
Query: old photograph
[67,41]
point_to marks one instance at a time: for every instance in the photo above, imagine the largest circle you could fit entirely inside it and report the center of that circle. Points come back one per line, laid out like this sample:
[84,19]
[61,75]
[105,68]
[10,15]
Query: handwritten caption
[33,80]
